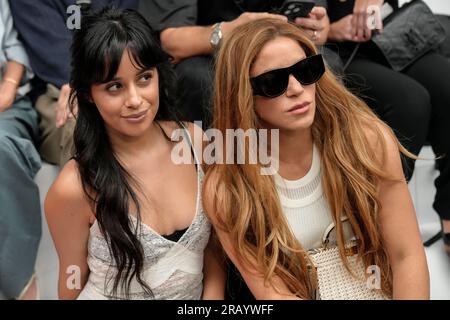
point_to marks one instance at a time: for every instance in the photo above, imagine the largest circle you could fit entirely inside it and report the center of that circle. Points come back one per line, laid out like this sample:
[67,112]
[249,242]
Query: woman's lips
[300,108]
[136,116]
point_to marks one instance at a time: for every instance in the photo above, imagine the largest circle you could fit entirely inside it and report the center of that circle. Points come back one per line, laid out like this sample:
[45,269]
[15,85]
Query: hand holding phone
[296,9]
[316,24]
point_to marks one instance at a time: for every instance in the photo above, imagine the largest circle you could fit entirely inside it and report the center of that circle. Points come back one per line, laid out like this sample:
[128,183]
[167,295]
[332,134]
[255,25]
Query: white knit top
[305,206]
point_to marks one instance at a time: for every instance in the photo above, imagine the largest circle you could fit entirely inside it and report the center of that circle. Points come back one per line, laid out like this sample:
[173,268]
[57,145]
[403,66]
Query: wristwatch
[216,35]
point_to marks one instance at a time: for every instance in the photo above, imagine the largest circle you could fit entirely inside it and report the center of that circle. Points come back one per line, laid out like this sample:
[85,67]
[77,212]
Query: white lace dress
[173,270]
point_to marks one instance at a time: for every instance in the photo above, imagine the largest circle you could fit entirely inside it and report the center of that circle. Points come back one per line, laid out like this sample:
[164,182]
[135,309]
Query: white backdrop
[438,6]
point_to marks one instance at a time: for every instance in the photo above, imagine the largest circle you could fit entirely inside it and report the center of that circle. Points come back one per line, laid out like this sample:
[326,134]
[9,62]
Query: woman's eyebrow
[138,73]
[142,71]
[113,79]
[272,69]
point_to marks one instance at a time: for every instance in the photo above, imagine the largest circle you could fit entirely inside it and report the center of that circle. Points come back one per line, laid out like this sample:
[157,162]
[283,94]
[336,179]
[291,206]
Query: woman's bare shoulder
[66,193]
[386,148]
[381,138]
[68,183]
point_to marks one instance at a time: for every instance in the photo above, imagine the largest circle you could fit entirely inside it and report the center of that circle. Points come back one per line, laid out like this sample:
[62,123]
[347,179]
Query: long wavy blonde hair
[247,203]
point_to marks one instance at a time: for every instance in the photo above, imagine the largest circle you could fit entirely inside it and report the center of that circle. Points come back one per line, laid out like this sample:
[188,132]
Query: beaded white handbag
[334,281]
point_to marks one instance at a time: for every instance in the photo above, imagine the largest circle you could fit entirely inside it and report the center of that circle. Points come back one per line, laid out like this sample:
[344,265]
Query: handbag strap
[328,230]
[352,56]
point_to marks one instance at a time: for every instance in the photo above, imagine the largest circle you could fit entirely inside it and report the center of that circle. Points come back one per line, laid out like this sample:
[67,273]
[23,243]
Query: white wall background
[438,6]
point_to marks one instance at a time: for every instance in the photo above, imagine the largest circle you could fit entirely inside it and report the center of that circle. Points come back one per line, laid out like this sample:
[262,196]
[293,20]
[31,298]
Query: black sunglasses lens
[271,84]
[274,83]
[309,70]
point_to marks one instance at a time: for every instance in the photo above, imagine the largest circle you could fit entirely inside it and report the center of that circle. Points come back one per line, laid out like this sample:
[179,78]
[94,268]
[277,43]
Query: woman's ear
[88,96]
[84,95]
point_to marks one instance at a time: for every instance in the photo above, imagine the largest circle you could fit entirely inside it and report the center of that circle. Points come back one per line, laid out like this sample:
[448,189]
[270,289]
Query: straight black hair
[97,50]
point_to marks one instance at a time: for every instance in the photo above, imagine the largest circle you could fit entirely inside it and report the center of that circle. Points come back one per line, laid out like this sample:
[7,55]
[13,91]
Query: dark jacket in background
[163,14]
[46,38]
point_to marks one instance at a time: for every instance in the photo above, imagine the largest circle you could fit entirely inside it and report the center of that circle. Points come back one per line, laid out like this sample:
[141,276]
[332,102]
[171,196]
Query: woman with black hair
[127,221]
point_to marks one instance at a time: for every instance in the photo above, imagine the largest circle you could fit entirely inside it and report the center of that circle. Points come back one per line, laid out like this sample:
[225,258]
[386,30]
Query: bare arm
[68,218]
[9,84]
[185,42]
[16,58]
[400,230]
[250,272]
[174,42]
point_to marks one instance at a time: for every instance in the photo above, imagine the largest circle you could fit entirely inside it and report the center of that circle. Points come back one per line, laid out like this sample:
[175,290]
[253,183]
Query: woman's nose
[294,86]
[134,99]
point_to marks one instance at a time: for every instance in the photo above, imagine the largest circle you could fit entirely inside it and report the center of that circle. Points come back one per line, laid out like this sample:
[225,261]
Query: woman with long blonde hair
[337,161]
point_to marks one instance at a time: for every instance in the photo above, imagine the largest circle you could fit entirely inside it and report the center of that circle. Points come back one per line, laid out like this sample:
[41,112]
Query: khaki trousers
[56,145]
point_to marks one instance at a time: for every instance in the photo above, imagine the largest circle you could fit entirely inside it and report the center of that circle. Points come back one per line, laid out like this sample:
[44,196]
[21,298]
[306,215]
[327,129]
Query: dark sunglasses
[275,82]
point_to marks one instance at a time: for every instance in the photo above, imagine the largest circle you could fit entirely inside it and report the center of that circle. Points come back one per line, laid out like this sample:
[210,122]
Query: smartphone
[296,9]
